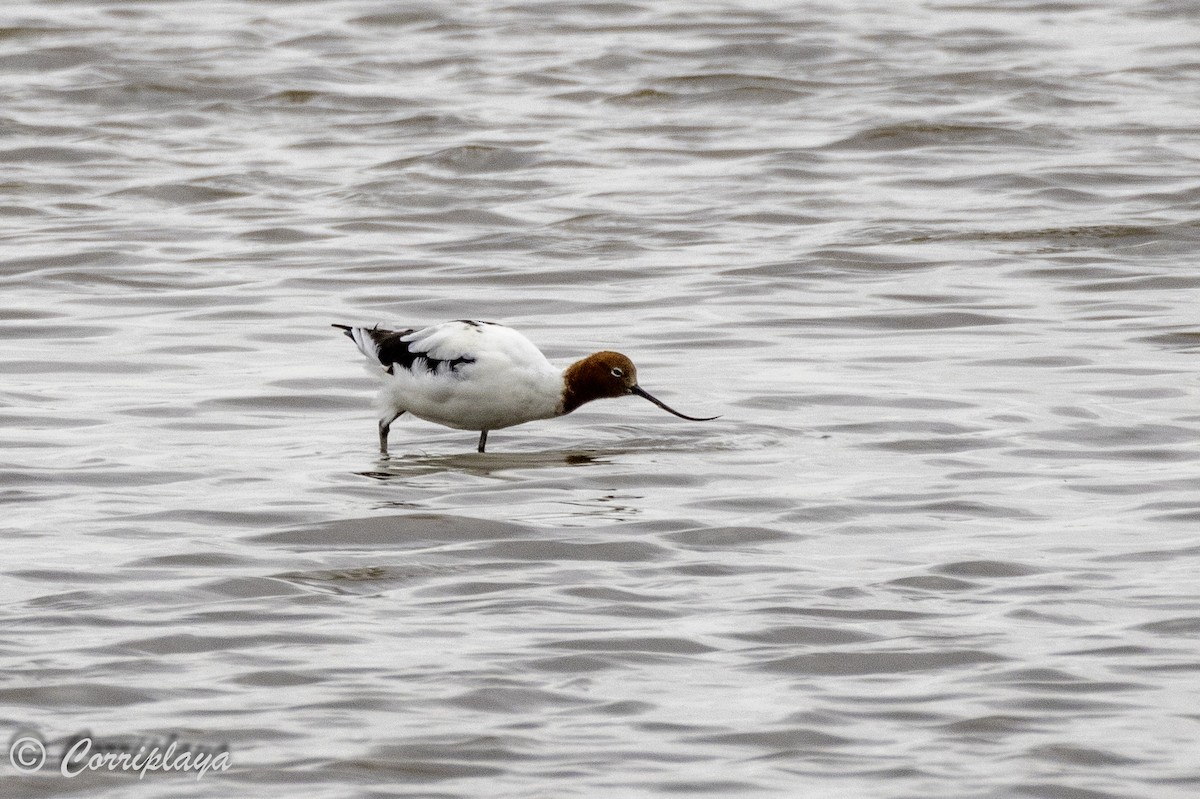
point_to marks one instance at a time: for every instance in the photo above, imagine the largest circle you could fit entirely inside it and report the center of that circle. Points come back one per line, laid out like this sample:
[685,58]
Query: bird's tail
[366,339]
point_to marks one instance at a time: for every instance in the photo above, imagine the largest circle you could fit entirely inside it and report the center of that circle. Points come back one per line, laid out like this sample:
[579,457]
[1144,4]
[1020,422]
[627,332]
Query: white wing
[470,342]
[449,346]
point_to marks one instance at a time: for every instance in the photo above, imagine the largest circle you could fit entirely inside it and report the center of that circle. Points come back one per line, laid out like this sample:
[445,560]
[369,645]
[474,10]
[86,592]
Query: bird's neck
[574,392]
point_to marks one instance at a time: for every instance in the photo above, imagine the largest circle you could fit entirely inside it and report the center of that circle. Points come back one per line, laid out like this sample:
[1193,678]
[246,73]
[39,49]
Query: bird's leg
[385,427]
[482,439]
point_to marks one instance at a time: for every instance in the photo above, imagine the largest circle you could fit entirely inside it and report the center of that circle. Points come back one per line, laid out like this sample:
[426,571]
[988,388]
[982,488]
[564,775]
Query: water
[932,261]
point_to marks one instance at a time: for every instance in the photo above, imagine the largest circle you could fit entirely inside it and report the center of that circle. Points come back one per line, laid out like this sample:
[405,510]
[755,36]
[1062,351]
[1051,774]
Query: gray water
[933,262]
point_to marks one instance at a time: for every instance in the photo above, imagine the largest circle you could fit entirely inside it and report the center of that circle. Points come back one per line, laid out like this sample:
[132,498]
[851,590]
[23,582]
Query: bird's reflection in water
[393,467]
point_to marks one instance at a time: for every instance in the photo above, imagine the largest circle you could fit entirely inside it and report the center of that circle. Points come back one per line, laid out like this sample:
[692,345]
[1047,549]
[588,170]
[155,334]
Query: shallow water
[933,262]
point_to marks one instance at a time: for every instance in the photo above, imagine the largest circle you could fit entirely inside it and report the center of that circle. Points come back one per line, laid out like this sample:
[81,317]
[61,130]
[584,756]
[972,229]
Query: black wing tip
[374,332]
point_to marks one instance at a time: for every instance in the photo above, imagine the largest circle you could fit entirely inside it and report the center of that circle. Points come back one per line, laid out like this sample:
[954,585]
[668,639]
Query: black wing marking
[391,350]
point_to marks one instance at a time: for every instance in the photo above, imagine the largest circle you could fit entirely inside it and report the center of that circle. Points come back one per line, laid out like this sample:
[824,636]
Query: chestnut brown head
[598,376]
[607,374]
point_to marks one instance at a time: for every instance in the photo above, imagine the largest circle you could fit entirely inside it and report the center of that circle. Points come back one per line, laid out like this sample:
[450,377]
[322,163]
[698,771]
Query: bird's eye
[618,372]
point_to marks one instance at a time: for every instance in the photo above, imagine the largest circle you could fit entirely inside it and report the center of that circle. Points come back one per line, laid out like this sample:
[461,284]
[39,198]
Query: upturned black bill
[641,392]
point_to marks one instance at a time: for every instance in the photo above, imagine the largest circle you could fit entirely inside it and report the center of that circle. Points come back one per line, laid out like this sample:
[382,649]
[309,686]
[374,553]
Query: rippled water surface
[933,262]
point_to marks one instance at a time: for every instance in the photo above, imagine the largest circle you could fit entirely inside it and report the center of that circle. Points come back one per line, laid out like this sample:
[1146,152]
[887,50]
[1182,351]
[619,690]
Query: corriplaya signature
[29,753]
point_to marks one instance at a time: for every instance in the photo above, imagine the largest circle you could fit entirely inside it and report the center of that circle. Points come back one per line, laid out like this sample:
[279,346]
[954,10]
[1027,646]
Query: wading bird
[483,376]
